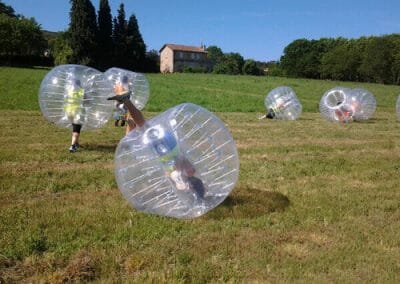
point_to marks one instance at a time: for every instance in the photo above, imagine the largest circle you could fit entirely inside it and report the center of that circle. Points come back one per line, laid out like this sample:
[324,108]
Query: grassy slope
[315,200]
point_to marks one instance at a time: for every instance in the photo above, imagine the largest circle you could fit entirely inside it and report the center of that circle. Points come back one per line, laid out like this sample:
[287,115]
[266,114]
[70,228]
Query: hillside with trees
[21,39]
[93,39]
[366,59]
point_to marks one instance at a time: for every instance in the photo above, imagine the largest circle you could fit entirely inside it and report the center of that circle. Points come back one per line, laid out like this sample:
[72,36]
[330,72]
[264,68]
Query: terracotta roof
[179,47]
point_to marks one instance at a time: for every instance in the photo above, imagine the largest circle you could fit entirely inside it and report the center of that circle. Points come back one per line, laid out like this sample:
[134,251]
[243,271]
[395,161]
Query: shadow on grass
[371,120]
[303,118]
[105,148]
[250,203]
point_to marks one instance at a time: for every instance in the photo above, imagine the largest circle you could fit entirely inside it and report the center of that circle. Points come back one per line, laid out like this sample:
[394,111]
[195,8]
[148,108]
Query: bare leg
[75,138]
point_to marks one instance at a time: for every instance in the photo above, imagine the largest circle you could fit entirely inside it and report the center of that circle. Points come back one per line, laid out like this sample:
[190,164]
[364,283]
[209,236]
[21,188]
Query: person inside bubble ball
[120,113]
[177,167]
[344,113]
[276,107]
[74,111]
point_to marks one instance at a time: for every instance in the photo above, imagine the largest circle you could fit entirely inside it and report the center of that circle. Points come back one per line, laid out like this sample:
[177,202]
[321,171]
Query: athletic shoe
[120,98]
[73,148]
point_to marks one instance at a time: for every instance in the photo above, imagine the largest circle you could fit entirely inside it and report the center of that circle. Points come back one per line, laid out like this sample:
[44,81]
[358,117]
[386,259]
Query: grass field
[315,201]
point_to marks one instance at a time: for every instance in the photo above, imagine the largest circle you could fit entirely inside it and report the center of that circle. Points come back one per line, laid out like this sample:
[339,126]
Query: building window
[180,55]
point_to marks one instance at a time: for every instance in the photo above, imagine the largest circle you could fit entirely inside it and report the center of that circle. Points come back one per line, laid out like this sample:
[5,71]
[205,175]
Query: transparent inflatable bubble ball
[398,108]
[337,105]
[283,104]
[181,163]
[124,81]
[364,104]
[75,94]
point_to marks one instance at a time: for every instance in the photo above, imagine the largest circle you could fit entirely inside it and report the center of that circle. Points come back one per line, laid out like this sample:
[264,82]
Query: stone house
[176,58]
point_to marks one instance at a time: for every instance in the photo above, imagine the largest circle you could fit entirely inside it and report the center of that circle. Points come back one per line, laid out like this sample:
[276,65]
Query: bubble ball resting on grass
[75,94]
[283,104]
[336,105]
[181,163]
[127,81]
[347,105]
[364,104]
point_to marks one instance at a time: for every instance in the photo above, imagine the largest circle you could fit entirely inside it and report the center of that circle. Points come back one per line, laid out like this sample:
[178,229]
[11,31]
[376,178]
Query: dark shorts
[197,186]
[76,127]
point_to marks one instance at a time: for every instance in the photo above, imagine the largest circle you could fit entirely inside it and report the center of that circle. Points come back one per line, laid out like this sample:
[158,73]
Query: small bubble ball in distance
[282,104]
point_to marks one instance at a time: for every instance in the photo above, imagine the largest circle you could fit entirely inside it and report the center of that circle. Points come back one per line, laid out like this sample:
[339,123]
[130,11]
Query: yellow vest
[74,100]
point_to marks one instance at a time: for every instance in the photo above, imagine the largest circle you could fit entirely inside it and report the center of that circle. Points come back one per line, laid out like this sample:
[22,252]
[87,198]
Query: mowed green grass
[315,201]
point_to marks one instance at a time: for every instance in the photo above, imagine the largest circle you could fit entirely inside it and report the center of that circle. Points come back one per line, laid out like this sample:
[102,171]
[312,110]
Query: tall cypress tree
[105,41]
[120,39]
[83,28]
[136,45]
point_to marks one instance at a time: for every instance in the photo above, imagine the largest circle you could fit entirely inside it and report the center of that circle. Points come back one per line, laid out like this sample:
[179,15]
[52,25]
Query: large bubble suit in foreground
[398,108]
[181,164]
[336,105]
[75,94]
[363,104]
[283,104]
[127,81]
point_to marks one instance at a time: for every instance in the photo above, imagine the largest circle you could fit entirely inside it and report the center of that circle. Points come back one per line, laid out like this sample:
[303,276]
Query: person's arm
[136,114]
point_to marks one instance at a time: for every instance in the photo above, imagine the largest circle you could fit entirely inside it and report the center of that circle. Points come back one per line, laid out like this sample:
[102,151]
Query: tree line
[232,63]
[93,39]
[366,59]
[101,41]
[21,38]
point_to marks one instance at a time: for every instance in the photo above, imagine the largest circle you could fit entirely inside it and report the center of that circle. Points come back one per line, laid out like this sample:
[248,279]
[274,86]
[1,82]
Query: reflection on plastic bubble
[75,94]
[364,104]
[181,164]
[127,81]
[282,103]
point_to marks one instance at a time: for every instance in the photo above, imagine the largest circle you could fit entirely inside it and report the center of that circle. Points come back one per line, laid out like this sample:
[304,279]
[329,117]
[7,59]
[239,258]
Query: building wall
[194,60]
[167,60]
[176,61]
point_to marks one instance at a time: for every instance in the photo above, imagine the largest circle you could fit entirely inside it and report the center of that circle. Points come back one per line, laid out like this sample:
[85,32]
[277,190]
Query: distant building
[177,58]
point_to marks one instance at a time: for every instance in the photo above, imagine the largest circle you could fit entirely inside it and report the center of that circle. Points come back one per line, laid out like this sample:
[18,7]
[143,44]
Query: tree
[152,63]
[7,10]
[20,36]
[135,45]
[230,64]
[238,59]
[376,61]
[342,62]
[105,40]
[62,49]
[395,39]
[250,68]
[214,54]
[83,29]
[120,32]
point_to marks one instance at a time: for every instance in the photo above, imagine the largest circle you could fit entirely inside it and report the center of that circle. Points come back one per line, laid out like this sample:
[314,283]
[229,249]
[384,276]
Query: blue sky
[257,29]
